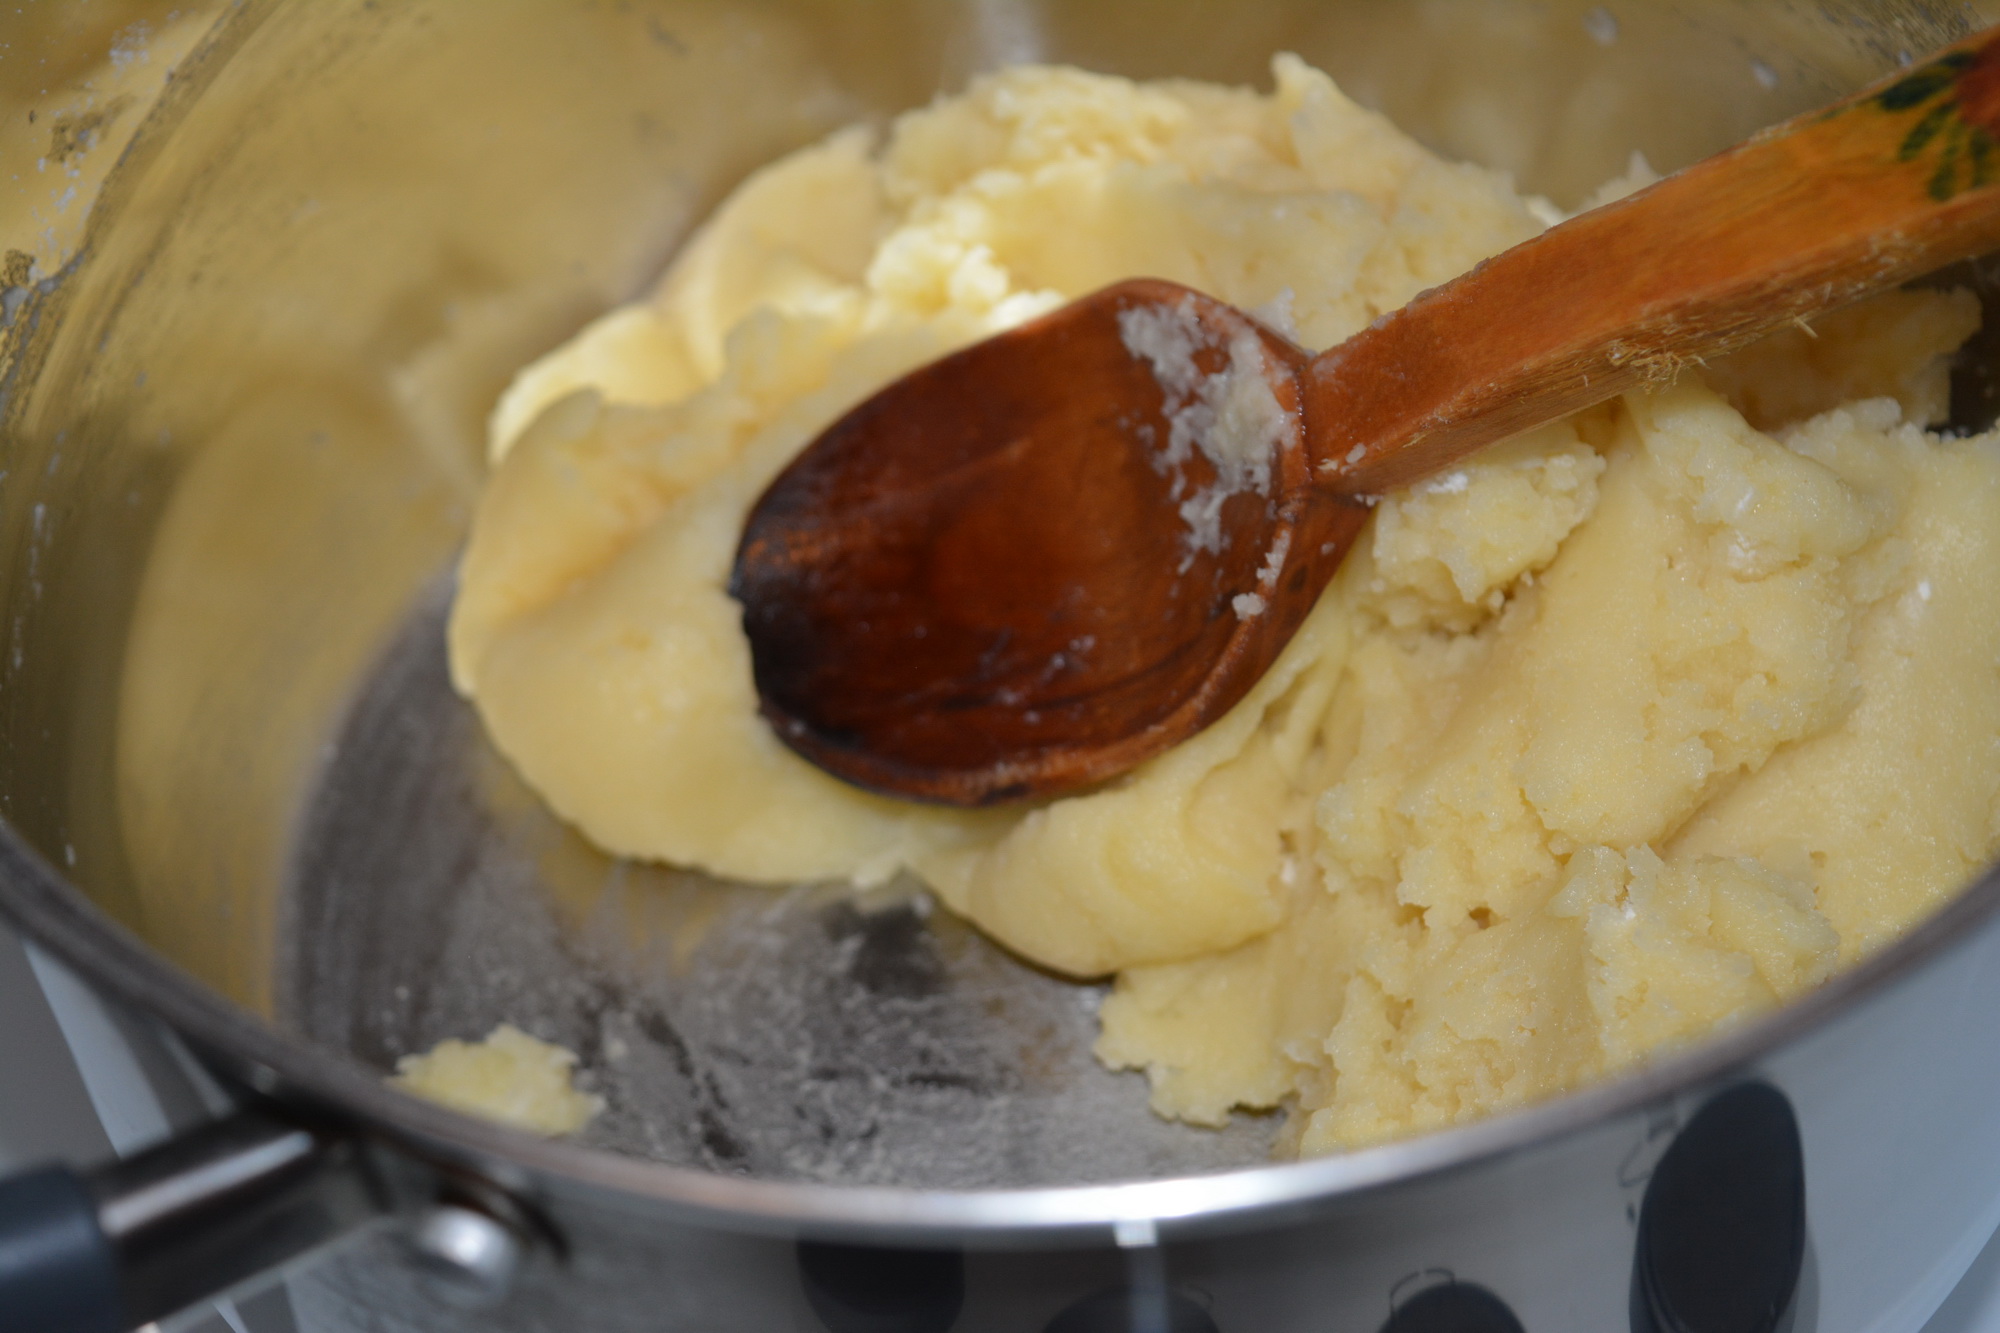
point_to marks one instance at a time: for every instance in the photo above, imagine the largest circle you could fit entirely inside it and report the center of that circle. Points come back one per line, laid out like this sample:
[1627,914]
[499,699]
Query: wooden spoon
[1037,562]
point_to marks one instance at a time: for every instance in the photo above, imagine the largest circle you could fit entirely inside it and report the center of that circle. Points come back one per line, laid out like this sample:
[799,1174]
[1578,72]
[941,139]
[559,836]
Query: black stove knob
[1453,1307]
[1125,1310]
[861,1289]
[1722,1231]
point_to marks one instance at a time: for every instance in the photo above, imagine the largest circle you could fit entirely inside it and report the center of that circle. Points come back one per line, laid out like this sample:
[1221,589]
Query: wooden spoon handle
[1894,182]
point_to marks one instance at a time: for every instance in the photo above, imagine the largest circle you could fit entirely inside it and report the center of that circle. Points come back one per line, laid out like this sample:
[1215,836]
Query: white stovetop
[1975,1306]
[77,1090]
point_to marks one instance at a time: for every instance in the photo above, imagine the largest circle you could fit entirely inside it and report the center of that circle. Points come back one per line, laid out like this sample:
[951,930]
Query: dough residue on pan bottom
[1629,728]
[509,1076]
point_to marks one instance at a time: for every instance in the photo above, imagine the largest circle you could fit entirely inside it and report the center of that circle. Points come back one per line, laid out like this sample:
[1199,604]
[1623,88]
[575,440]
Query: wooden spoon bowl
[963,647]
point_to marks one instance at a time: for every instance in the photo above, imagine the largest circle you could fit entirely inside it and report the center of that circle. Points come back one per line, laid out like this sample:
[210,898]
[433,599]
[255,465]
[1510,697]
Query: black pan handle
[133,1241]
[58,1270]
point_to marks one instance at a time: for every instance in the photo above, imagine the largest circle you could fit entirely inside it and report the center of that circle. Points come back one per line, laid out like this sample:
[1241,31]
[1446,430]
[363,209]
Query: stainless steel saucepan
[267,266]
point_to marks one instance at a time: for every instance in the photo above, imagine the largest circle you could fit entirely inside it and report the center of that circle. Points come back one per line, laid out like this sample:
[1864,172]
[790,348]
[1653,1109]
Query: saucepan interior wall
[251,431]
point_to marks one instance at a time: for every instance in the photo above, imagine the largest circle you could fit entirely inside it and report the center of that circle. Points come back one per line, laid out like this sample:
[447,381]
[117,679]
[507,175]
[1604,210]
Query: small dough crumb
[510,1077]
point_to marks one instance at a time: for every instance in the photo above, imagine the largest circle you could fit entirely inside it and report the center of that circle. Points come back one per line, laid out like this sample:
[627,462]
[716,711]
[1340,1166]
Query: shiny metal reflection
[468,1257]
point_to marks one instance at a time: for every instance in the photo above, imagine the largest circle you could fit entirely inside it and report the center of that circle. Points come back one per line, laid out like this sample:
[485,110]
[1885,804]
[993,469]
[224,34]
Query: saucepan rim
[59,917]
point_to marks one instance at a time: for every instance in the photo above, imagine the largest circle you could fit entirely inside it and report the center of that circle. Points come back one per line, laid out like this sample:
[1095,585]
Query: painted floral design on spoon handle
[1959,97]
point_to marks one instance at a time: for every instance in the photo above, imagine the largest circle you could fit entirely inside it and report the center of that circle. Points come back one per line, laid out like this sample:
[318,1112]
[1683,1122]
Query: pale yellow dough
[509,1076]
[1626,729]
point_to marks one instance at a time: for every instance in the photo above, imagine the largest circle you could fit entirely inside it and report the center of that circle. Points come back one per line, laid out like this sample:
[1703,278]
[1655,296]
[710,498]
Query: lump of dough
[1741,729]
[1626,729]
[510,1077]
